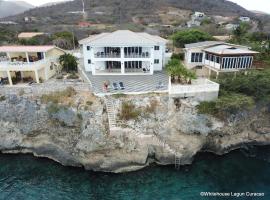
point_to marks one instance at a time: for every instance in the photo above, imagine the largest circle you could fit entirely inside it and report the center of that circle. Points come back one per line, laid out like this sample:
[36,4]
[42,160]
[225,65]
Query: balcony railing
[107,55]
[21,64]
[138,55]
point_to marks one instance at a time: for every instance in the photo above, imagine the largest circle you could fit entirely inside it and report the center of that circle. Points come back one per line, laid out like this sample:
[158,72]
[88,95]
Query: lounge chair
[121,84]
[160,85]
[115,86]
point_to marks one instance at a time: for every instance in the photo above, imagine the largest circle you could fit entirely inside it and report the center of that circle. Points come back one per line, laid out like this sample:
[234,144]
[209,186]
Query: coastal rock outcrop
[165,129]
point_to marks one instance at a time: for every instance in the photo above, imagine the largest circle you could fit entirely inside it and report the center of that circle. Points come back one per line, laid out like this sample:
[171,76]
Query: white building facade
[124,52]
[205,57]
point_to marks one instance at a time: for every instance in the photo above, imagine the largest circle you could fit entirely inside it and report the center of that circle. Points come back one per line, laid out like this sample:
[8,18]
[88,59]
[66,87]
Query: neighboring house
[231,27]
[193,23]
[217,56]
[8,23]
[196,19]
[29,35]
[84,24]
[124,52]
[199,15]
[29,63]
[244,19]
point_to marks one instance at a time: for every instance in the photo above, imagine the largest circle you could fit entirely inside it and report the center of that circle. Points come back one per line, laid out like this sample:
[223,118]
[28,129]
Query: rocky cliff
[79,136]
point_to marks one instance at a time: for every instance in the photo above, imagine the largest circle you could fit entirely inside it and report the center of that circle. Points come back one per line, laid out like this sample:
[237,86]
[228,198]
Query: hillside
[111,11]
[8,8]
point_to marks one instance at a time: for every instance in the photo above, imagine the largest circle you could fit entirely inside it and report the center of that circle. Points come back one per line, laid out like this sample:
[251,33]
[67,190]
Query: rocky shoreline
[76,135]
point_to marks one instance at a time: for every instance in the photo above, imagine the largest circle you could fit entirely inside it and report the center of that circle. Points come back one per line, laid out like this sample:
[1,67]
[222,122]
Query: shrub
[152,107]
[129,111]
[2,98]
[57,97]
[89,103]
[181,38]
[226,105]
[119,95]
[255,84]
[53,108]
[179,56]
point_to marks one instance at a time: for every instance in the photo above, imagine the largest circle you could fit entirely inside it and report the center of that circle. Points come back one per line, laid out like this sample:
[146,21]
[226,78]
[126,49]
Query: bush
[129,111]
[53,108]
[255,84]
[57,97]
[119,95]
[152,107]
[179,56]
[181,38]
[226,105]
[2,98]
[89,103]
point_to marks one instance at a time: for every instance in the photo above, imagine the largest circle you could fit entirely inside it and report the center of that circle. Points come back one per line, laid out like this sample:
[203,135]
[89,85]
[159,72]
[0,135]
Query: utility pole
[83,10]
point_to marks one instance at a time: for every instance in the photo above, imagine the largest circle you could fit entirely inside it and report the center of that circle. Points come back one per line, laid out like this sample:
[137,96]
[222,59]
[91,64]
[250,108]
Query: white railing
[20,64]
[197,86]
[138,55]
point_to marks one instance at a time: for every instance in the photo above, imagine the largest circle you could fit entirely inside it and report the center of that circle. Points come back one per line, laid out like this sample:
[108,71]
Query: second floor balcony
[122,52]
[22,65]
[107,55]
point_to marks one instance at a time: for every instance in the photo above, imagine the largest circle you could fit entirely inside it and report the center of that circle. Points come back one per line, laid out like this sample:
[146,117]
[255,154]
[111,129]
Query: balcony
[107,55]
[138,55]
[25,66]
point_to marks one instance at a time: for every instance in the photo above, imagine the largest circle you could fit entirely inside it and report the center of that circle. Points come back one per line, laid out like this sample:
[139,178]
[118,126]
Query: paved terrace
[133,83]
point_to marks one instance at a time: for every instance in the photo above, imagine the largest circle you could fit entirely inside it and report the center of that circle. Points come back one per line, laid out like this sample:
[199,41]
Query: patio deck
[134,84]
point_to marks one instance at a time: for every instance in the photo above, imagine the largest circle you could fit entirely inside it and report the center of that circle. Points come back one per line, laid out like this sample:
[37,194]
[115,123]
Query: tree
[69,62]
[177,71]
[181,38]
[65,40]
[240,33]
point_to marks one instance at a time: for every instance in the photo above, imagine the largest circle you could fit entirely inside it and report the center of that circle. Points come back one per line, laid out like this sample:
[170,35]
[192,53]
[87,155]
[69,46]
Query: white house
[217,56]
[244,19]
[124,52]
[28,63]
[199,15]
[231,27]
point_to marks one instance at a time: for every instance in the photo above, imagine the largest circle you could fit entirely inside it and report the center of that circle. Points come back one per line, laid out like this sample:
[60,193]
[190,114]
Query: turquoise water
[25,177]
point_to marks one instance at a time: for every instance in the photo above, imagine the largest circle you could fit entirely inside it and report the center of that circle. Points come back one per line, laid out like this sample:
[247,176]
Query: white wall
[188,53]
[159,54]
[88,55]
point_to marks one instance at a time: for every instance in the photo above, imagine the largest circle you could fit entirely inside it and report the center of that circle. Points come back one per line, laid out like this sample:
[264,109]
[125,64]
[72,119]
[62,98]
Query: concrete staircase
[111,113]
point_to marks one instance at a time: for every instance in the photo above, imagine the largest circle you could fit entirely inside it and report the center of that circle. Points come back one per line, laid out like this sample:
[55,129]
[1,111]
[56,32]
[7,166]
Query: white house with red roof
[124,52]
[28,63]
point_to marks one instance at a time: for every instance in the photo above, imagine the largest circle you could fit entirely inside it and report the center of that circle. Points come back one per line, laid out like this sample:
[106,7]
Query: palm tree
[69,62]
[179,73]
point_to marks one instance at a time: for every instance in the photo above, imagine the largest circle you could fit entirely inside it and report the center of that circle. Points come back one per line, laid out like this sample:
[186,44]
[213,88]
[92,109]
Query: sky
[260,5]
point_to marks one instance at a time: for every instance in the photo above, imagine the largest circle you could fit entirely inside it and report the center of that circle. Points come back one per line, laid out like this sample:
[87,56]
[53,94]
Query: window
[88,48]
[199,67]
[217,59]
[212,58]
[156,48]
[206,56]
[156,61]
[196,57]
[89,61]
